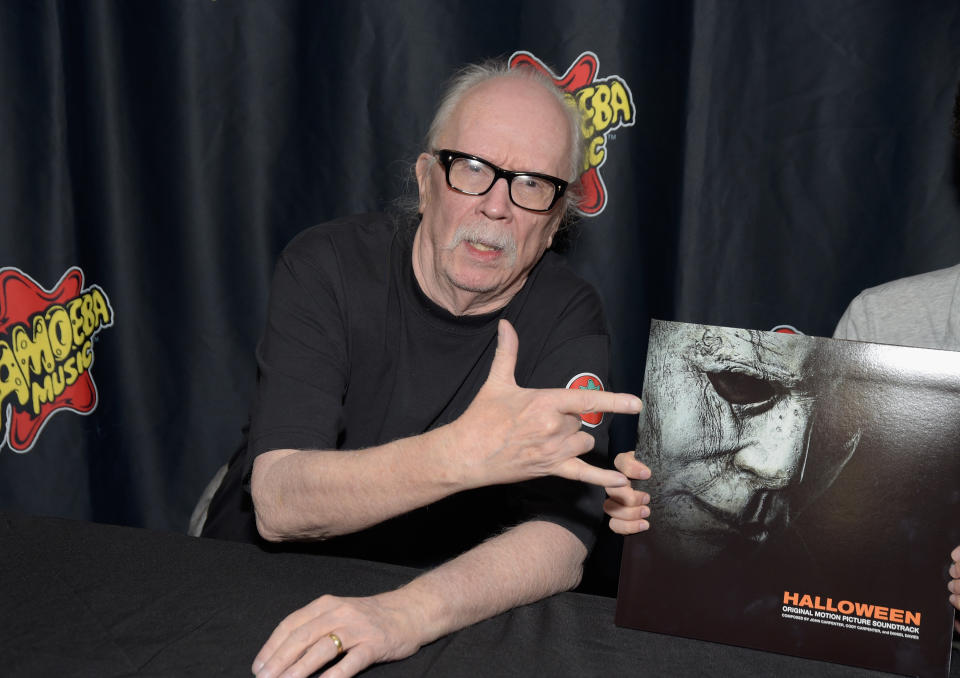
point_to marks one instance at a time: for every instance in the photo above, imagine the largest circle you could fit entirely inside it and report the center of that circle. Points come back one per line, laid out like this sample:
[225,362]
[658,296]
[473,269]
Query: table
[83,599]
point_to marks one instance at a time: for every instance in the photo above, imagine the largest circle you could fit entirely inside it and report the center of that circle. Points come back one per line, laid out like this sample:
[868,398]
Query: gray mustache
[501,240]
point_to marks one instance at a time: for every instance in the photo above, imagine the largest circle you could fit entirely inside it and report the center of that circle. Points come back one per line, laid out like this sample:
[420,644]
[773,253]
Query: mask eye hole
[741,389]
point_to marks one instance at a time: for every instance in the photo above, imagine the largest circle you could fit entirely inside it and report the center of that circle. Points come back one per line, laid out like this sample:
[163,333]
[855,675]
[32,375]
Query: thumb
[505,359]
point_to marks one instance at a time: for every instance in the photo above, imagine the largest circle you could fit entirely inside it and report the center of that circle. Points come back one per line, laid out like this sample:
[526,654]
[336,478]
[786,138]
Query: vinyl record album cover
[805,496]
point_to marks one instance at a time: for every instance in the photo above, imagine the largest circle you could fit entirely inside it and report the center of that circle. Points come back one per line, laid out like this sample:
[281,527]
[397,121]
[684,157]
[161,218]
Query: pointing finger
[576,402]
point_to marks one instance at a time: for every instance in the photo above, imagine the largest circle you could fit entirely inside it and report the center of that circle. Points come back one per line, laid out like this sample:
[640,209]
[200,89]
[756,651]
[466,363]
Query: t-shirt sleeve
[577,356]
[302,356]
[852,322]
[578,506]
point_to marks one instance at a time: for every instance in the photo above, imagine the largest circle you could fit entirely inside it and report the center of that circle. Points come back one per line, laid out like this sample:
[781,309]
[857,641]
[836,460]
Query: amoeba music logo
[605,105]
[46,351]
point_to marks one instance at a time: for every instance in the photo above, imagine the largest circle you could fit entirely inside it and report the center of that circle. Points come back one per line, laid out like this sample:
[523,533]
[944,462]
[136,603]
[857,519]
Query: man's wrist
[451,466]
[422,614]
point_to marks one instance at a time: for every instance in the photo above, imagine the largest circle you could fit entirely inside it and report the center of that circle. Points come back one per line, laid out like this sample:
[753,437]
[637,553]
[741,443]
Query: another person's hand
[628,508]
[368,630]
[954,584]
[509,433]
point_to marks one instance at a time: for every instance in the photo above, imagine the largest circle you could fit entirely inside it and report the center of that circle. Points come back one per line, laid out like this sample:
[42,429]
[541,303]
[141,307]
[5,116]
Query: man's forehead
[514,118]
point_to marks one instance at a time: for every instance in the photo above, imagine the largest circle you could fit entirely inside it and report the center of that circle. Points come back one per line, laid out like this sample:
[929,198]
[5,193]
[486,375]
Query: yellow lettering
[89,323]
[33,354]
[602,113]
[595,152]
[70,371]
[59,383]
[42,393]
[85,356]
[101,308]
[620,102]
[59,331]
[12,380]
[76,320]
[586,113]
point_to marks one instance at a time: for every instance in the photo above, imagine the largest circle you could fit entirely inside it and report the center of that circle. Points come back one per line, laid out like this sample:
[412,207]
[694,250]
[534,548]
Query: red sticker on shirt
[586,381]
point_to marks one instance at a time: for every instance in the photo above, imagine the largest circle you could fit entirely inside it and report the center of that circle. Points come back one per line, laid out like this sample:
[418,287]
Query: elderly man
[419,398]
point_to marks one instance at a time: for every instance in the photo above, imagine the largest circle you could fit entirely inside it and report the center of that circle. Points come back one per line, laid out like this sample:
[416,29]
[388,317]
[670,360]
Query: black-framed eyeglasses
[475,176]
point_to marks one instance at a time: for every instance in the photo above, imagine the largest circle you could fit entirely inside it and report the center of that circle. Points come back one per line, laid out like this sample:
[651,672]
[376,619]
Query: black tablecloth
[81,599]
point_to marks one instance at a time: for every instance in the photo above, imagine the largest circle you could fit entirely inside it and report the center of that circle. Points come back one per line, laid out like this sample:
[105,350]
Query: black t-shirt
[355,355]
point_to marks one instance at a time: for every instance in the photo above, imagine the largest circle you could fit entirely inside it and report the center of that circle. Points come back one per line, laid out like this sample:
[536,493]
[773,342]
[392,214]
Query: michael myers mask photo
[726,431]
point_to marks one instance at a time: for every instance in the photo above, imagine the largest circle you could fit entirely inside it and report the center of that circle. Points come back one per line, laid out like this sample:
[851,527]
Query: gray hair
[473,75]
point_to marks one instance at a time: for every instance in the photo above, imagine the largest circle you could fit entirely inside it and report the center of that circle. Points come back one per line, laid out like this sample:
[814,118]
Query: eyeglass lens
[530,192]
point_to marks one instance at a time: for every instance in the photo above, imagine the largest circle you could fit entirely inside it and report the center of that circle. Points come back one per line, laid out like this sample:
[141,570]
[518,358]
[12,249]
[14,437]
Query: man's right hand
[509,433]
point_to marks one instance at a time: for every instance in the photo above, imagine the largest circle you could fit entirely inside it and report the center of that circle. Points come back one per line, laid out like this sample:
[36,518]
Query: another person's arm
[527,563]
[855,323]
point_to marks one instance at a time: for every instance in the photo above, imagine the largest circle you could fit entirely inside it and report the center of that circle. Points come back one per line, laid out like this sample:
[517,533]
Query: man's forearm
[316,494]
[508,434]
[527,563]
[524,564]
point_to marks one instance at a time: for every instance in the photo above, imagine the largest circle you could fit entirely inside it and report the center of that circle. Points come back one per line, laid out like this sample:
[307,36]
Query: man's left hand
[954,584]
[627,507]
[369,631]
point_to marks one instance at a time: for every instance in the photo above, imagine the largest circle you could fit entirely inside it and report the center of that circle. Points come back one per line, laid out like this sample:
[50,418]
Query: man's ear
[424,163]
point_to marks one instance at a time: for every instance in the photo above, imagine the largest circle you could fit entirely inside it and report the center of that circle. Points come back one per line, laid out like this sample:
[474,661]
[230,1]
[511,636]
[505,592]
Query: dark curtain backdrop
[781,157]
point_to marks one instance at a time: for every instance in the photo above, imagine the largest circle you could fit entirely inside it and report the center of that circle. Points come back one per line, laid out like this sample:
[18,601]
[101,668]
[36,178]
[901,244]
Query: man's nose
[776,447]
[496,202]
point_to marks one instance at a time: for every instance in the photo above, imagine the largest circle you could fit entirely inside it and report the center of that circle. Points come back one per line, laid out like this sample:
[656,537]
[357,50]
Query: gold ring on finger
[336,641]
